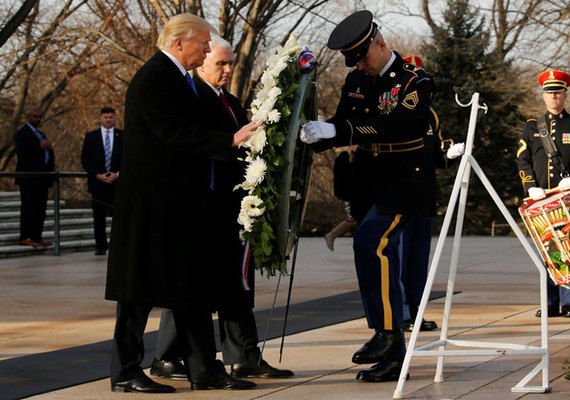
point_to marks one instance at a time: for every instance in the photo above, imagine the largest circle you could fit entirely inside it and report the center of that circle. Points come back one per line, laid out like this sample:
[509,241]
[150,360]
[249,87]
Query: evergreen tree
[459,59]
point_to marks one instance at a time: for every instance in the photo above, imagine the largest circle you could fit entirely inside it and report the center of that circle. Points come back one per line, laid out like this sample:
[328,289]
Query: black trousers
[102,208]
[33,206]
[238,336]
[194,329]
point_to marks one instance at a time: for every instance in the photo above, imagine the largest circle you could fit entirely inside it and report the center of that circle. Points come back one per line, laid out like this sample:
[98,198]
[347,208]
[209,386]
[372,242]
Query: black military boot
[379,346]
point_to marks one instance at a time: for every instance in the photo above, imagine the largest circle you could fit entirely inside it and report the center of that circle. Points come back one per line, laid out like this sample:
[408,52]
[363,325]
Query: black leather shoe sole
[276,374]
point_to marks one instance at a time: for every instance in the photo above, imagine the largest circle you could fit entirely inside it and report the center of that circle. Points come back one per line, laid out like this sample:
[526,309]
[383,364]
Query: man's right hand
[245,133]
[536,193]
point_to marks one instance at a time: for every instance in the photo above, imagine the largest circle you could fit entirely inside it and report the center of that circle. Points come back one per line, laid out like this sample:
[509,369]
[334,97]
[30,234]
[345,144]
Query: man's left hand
[564,184]
[314,131]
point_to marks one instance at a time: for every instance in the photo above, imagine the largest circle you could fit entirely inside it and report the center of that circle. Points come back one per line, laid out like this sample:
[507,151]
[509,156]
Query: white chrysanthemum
[278,67]
[273,116]
[258,141]
[251,206]
[255,172]
[246,221]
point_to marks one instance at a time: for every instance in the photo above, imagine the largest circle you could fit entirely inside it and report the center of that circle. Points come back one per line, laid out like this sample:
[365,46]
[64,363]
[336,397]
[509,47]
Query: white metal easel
[438,348]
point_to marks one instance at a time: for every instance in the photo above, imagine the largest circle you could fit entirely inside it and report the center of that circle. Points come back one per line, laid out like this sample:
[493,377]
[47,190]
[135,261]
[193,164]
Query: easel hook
[484,108]
[460,103]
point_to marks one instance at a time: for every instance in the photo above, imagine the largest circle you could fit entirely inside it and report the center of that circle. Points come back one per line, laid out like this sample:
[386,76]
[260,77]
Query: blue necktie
[41,137]
[108,150]
[191,83]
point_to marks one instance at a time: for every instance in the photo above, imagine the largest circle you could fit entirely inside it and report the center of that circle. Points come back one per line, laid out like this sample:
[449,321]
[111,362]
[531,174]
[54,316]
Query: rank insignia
[411,100]
[389,100]
[565,138]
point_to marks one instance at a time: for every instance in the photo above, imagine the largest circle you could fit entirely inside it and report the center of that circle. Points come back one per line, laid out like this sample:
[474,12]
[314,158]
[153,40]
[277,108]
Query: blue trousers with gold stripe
[376,257]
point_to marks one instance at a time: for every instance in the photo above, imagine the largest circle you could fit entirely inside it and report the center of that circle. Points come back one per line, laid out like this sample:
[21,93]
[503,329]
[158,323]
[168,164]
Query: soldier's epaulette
[412,69]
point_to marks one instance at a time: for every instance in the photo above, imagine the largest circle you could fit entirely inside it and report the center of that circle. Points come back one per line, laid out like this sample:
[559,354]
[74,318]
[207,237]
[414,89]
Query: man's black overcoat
[157,240]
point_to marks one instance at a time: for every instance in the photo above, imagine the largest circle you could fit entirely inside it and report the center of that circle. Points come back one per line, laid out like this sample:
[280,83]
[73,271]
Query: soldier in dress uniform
[538,172]
[384,108]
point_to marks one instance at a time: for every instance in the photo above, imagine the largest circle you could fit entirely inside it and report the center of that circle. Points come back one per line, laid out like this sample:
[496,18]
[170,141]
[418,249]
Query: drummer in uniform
[384,109]
[538,172]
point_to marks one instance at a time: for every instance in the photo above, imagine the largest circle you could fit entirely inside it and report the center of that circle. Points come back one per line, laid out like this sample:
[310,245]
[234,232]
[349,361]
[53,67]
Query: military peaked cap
[353,37]
[554,81]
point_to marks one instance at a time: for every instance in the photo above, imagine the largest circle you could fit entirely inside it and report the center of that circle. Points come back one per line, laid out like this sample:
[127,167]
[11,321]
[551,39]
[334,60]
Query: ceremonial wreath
[278,163]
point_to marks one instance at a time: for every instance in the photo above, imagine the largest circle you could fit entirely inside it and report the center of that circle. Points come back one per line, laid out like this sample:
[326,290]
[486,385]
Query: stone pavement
[56,303]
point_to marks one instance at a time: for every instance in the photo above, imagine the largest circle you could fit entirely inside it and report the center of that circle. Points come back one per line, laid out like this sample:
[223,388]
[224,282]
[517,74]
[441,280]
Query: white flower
[246,221]
[255,172]
[250,207]
[258,141]
[273,116]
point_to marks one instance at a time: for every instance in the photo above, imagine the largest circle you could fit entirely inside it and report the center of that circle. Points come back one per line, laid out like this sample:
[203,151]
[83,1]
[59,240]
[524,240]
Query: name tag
[356,95]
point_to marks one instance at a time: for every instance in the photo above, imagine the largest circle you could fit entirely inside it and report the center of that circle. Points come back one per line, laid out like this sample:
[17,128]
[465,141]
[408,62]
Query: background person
[238,329]
[34,153]
[159,216]
[416,237]
[384,108]
[101,159]
[538,172]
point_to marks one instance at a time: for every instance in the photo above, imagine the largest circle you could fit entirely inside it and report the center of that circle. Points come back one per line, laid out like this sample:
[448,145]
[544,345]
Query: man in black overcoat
[156,253]
[101,159]
[34,153]
[238,329]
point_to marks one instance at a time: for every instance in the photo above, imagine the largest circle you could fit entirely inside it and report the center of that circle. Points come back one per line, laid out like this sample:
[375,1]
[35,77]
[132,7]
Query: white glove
[564,184]
[314,131]
[456,150]
[536,193]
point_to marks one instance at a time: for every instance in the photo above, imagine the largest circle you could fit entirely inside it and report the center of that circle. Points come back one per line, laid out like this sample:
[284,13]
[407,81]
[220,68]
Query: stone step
[67,247]
[14,205]
[9,196]
[64,223]
[69,213]
[68,234]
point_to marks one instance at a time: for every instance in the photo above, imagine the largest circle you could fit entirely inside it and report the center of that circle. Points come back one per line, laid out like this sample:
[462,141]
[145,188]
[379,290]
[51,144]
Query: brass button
[366,110]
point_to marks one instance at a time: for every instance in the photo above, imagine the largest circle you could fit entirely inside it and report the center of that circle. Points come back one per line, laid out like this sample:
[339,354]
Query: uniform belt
[393,147]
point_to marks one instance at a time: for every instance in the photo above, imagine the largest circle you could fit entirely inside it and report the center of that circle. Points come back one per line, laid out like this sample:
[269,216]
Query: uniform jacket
[31,157]
[535,167]
[225,202]
[157,244]
[93,159]
[392,109]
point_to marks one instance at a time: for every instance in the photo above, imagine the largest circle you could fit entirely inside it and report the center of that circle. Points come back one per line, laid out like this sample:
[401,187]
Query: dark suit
[157,244]
[33,191]
[102,194]
[238,330]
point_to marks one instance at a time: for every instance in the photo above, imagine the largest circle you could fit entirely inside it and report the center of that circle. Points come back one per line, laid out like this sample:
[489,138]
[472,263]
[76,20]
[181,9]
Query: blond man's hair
[181,26]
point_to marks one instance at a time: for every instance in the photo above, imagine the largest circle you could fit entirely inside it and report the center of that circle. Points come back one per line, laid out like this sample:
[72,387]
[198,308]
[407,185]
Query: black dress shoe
[169,369]
[381,372]
[142,384]
[221,380]
[379,346]
[251,369]
[426,325]
[552,312]
[565,311]
[100,252]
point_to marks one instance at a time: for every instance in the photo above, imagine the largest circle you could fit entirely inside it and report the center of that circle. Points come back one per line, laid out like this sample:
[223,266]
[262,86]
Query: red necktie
[228,108]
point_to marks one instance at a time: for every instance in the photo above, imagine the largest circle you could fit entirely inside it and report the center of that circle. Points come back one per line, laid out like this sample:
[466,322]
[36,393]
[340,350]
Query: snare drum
[548,222]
